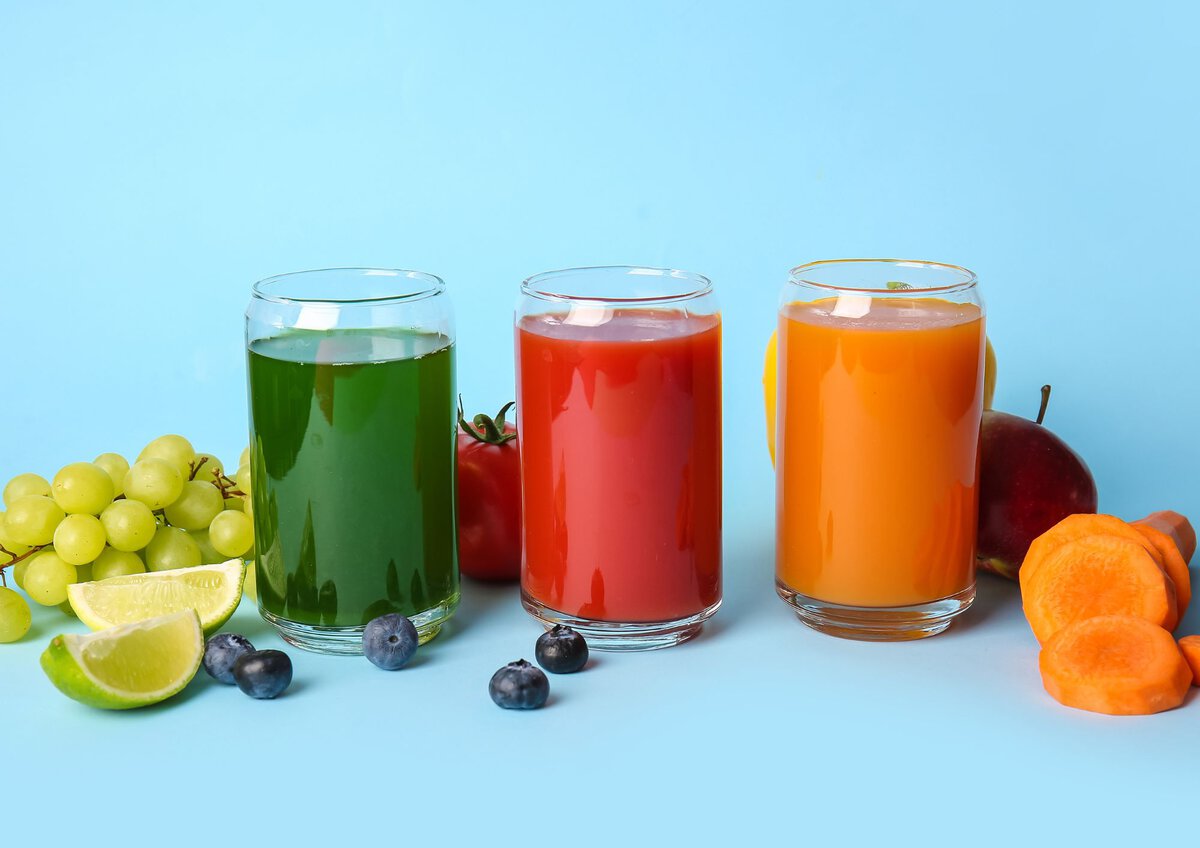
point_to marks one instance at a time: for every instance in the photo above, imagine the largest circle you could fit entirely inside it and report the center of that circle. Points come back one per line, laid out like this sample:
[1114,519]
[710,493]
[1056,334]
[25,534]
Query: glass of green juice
[352,438]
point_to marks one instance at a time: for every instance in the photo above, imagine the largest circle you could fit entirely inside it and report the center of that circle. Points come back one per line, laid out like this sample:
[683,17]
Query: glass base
[347,641]
[622,636]
[878,624]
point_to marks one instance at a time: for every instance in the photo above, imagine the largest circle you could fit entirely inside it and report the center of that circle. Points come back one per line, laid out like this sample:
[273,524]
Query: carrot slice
[1172,563]
[1077,527]
[1115,664]
[1177,527]
[1097,575]
[1190,647]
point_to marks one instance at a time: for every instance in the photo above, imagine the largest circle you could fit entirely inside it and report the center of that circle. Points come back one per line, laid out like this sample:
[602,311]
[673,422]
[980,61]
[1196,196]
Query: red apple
[1029,480]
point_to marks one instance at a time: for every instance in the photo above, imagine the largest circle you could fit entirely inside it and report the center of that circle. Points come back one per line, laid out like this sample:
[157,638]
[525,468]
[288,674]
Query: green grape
[83,488]
[248,507]
[115,563]
[231,533]
[83,573]
[154,482]
[129,525]
[117,467]
[25,484]
[176,450]
[208,554]
[15,617]
[79,539]
[243,479]
[66,607]
[196,506]
[210,470]
[171,548]
[235,503]
[47,579]
[244,459]
[31,520]
[250,584]
[14,547]
[18,572]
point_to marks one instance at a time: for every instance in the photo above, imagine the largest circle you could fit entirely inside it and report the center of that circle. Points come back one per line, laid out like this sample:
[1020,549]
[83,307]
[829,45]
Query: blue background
[155,159]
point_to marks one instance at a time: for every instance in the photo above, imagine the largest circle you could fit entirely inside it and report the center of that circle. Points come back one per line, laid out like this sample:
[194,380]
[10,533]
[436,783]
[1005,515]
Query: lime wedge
[213,591]
[125,667]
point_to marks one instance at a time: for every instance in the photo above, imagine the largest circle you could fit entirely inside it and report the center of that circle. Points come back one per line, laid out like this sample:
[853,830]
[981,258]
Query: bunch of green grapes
[173,508]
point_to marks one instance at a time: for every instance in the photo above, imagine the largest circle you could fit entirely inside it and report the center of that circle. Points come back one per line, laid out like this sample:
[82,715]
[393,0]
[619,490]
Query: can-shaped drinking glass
[352,435]
[880,393]
[619,410]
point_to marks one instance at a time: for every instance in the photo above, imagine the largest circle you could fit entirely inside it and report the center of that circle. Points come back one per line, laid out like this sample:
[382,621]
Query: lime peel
[126,667]
[213,591]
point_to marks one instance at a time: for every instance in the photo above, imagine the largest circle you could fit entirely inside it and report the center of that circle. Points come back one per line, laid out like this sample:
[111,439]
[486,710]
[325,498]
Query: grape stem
[228,486]
[13,559]
[195,466]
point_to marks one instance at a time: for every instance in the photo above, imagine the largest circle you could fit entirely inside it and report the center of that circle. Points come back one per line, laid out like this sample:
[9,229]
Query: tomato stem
[484,429]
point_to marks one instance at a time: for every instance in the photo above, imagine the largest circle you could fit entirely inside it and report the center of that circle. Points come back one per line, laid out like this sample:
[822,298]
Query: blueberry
[263,674]
[519,686]
[561,650]
[221,652]
[390,641]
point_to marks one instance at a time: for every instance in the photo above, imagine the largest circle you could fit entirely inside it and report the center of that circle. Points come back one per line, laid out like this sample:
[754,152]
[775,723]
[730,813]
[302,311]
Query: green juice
[354,476]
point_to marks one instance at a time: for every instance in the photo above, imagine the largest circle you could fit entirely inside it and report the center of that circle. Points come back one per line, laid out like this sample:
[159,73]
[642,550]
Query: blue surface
[158,158]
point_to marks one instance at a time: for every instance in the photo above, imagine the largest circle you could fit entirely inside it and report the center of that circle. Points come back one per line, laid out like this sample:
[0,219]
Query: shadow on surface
[1191,619]
[253,626]
[994,596]
[479,601]
[296,688]
[712,628]
[748,584]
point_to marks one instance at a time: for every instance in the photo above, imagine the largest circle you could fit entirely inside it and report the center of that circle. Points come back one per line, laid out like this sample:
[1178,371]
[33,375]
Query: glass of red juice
[619,410]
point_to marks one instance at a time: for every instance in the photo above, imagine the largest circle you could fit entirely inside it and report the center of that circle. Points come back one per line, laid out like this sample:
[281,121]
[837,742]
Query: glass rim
[968,279]
[534,286]
[431,285]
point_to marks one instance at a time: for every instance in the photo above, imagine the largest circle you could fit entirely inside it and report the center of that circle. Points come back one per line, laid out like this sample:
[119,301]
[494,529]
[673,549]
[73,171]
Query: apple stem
[1045,403]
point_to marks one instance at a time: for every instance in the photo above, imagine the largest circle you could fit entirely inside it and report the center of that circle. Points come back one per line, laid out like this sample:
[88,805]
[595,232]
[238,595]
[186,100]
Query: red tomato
[489,498]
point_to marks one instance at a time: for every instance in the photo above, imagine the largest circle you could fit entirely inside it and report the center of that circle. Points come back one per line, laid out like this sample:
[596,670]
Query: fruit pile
[230,658]
[144,662]
[390,641]
[1102,597]
[520,685]
[172,509]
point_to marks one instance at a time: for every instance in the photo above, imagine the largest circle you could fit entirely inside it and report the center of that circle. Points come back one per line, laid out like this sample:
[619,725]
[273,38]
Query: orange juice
[878,442]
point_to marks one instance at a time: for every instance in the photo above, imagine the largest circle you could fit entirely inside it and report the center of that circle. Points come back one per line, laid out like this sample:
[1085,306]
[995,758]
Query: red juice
[620,421]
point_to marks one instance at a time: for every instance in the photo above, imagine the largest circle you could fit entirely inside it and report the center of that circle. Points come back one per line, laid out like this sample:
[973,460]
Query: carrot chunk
[1190,647]
[1076,527]
[1097,575]
[1172,563]
[1115,664]
[1175,526]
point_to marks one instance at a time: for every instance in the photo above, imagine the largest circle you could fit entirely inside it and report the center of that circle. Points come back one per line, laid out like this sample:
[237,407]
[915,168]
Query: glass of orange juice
[880,395]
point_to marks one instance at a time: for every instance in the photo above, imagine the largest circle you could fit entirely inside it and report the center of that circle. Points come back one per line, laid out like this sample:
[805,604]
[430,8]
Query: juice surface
[878,423]
[354,497]
[621,463]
